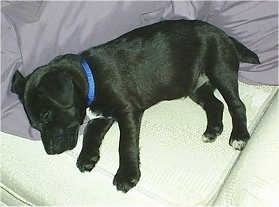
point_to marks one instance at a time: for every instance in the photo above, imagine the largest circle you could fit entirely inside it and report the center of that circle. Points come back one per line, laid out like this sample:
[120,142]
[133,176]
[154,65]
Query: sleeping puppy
[122,78]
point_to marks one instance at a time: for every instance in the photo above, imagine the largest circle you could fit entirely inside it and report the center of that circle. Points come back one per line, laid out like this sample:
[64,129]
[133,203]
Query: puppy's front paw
[87,163]
[124,180]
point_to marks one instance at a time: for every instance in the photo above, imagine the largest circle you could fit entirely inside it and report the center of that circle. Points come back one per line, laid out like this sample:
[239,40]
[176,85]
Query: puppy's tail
[244,54]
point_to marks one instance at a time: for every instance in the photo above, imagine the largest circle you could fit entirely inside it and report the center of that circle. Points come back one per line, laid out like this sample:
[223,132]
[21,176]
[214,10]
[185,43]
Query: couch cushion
[177,167]
[254,180]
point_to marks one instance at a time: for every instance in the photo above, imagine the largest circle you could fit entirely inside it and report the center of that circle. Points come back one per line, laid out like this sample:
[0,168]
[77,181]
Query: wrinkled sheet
[33,33]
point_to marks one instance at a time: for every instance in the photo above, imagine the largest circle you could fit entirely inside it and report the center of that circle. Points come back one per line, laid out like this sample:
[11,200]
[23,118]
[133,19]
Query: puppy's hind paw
[239,144]
[212,133]
[208,139]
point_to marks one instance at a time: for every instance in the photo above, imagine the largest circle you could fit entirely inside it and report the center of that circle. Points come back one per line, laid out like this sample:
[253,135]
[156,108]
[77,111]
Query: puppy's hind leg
[225,79]
[214,110]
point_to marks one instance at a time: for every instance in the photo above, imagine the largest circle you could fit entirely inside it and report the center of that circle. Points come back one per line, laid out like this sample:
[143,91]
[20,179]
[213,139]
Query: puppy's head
[53,106]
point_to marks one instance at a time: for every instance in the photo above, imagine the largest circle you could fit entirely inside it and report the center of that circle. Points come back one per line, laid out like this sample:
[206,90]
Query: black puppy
[124,77]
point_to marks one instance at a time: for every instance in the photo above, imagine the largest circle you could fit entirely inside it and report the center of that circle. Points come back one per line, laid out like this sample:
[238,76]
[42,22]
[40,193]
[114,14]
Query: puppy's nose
[50,151]
[54,148]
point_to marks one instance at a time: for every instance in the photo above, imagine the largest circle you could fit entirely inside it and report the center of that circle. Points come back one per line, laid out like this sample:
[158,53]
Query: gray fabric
[255,24]
[33,33]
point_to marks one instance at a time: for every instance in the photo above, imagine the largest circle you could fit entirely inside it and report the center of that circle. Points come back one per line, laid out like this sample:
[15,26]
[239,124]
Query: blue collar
[90,80]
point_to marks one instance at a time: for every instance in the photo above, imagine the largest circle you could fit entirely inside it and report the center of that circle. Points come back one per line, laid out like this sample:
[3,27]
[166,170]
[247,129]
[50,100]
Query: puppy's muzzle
[61,143]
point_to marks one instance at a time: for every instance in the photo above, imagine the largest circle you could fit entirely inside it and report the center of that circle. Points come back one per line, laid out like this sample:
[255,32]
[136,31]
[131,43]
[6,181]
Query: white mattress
[254,180]
[177,167]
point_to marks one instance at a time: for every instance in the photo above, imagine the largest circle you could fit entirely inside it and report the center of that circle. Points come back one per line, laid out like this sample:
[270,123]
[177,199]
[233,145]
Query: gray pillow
[33,33]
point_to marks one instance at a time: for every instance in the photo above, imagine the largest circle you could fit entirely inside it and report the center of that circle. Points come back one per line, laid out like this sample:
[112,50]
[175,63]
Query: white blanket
[177,167]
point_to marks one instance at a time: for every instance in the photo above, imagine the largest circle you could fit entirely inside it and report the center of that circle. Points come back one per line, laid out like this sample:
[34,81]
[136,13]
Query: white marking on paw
[238,145]
[206,139]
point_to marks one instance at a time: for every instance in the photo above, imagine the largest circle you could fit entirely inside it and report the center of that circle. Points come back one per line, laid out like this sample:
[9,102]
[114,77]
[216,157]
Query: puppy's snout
[55,146]
[59,141]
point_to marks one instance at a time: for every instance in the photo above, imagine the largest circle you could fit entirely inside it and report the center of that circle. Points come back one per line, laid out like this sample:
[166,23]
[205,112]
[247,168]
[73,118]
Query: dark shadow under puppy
[122,78]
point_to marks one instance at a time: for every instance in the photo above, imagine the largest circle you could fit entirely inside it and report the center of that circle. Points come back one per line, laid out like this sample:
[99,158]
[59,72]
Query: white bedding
[177,167]
[254,180]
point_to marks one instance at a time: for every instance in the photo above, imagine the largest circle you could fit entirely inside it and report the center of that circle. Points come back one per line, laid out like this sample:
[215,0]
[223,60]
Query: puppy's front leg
[128,173]
[92,140]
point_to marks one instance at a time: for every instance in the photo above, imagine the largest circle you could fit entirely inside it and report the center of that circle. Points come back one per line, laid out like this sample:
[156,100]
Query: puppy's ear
[18,84]
[58,87]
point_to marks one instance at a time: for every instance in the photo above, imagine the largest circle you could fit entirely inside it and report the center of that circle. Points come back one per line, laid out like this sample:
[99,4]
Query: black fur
[164,61]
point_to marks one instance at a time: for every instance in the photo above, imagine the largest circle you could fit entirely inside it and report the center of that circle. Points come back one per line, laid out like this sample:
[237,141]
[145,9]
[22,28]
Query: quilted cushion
[177,167]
